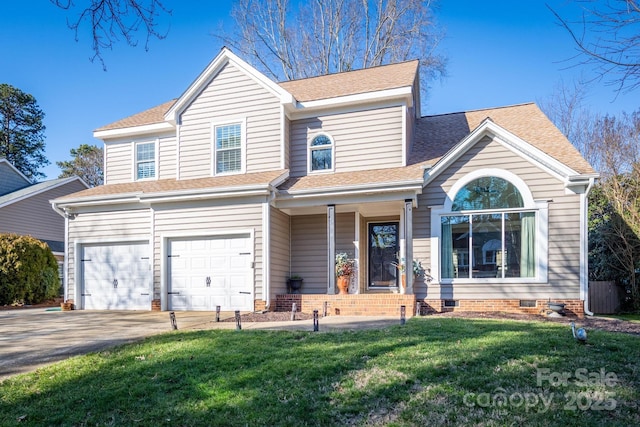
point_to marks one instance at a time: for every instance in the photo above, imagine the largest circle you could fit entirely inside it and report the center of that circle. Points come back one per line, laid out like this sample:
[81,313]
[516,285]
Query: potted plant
[295,283]
[344,269]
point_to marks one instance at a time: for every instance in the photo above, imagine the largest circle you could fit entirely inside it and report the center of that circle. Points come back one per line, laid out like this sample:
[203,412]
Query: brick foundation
[349,305]
[259,305]
[572,307]
[155,305]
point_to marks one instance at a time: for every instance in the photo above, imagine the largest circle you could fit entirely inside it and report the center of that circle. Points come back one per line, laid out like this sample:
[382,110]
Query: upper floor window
[228,148]
[321,153]
[145,160]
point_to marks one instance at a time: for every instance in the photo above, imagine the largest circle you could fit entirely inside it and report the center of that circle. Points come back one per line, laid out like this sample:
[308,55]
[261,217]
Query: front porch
[381,304]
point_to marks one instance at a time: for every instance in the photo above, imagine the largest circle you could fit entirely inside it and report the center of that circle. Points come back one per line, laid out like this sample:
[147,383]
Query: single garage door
[116,277]
[211,271]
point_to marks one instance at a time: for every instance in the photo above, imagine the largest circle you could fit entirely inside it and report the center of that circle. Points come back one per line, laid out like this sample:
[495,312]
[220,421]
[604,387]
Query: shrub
[28,270]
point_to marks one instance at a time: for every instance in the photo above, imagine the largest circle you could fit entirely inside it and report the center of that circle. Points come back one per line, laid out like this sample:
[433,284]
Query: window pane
[229,161]
[321,159]
[145,152]
[455,247]
[320,140]
[488,192]
[229,136]
[487,245]
[146,170]
[520,246]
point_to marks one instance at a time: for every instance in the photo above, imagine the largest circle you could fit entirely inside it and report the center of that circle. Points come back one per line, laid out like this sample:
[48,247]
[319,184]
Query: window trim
[310,150]
[134,156]
[243,145]
[540,209]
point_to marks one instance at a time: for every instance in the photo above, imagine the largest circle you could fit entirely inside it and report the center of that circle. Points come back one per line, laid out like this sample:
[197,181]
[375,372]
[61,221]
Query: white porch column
[408,237]
[331,249]
[402,252]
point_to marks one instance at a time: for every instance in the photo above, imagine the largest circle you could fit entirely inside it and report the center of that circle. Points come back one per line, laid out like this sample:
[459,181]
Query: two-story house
[217,197]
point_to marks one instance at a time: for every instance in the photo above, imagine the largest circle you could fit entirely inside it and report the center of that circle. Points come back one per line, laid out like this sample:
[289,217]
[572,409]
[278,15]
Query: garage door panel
[116,276]
[214,258]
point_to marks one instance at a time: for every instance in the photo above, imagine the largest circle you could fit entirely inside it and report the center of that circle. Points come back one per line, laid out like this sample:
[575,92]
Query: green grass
[432,371]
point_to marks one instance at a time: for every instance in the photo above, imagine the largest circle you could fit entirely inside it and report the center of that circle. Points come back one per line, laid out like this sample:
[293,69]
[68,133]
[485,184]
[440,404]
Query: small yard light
[403,314]
[172,318]
[316,326]
[217,313]
[238,325]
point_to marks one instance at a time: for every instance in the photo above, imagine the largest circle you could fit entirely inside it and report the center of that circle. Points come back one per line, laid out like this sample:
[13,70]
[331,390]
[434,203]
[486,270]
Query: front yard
[432,371]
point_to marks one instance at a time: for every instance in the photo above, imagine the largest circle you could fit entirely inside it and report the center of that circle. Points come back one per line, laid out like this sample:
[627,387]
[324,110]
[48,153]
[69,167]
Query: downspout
[65,263]
[584,277]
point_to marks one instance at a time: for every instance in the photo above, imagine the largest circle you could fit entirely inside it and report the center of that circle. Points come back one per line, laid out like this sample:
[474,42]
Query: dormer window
[321,153]
[145,160]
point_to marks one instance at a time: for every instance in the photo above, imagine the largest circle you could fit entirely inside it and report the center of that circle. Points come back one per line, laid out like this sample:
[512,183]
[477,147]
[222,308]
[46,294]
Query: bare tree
[290,41]
[111,20]
[567,110]
[608,35]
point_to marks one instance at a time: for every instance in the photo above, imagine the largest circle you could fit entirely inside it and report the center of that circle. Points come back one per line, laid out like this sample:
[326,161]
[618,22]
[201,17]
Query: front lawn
[431,371]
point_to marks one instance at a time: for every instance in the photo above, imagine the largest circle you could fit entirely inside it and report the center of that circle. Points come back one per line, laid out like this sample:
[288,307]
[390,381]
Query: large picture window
[489,233]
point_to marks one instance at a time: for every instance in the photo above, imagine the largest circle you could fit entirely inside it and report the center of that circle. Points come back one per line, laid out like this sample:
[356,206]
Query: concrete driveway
[30,338]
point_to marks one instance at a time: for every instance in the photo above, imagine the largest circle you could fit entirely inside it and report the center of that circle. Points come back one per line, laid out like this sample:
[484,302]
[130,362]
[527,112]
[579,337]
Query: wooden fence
[604,297]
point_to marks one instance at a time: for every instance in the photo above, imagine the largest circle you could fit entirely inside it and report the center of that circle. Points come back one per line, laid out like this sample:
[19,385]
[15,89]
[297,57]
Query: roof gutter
[413,185]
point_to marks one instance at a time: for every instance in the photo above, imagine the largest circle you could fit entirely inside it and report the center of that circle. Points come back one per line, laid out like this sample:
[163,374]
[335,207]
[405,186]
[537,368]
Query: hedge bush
[28,270]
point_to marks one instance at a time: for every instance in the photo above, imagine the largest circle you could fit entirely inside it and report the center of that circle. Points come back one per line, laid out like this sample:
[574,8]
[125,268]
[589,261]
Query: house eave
[402,95]
[366,192]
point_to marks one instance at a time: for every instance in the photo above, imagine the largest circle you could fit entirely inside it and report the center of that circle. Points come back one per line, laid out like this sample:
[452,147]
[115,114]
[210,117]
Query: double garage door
[207,272]
[116,277]
[202,273]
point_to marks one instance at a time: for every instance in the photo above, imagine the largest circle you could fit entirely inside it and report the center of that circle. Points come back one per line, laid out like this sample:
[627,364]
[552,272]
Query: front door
[383,255]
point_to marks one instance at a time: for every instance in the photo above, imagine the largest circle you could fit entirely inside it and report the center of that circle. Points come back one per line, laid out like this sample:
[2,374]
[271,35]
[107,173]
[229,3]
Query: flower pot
[295,285]
[343,284]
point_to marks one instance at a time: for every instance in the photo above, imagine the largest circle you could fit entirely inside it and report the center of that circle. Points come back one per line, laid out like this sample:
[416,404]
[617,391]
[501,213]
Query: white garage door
[116,277]
[212,271]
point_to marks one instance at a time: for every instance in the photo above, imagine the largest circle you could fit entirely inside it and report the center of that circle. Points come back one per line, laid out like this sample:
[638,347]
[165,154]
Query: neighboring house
[215,198]
[25,208]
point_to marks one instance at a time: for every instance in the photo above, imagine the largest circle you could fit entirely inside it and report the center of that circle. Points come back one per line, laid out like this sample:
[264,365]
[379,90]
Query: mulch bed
[47,304]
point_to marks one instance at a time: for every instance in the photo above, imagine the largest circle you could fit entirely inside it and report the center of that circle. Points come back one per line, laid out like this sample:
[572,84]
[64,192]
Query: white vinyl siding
[231,95]
[118,162]
[167,157]
[363,140]
[280,251]
[208,219]
[103,227]
[309,247]
[563,229]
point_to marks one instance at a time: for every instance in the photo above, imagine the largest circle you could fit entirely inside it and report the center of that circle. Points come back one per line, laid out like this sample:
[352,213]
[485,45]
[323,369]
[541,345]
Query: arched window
[321,153]
[488,232]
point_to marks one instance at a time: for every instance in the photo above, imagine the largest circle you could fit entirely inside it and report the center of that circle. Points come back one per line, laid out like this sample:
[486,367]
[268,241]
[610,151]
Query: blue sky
[499,52]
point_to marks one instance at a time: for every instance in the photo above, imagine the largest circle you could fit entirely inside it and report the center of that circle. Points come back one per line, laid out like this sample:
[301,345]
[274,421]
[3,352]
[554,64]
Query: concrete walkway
[30,338]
